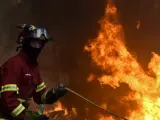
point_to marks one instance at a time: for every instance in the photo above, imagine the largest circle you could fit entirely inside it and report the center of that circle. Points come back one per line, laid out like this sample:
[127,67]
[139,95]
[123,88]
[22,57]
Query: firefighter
[20,78]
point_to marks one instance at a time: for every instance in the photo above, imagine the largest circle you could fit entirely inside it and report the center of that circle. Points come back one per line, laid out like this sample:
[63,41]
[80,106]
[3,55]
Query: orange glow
[110,54]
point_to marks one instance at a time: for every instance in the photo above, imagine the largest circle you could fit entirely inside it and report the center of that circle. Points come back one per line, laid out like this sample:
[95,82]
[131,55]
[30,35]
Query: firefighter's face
[38,44]
[33,48]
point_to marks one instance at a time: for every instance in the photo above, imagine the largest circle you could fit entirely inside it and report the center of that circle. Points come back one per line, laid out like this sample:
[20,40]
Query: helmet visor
[41,34]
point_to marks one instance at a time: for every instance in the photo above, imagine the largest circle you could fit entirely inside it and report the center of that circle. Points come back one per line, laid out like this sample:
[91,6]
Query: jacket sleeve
[42,95]
[10,89]
[40,89]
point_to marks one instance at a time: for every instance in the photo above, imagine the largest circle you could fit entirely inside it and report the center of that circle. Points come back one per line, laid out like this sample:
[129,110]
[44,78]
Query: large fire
[118,65]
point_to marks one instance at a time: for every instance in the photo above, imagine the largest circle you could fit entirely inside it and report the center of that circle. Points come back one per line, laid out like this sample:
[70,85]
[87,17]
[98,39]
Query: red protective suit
[20,80]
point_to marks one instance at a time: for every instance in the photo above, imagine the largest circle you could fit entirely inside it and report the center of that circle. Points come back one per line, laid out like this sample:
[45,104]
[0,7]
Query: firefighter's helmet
[31,32]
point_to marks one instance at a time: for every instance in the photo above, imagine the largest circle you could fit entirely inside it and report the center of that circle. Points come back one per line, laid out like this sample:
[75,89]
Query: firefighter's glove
[55,94]
[59,90]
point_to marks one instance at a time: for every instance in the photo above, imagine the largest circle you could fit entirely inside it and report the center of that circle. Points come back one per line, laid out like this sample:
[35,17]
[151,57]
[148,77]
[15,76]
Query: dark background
[72,23]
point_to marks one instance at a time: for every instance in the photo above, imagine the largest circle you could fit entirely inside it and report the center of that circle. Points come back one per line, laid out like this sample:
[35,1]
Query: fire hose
[109,112]
[41,107]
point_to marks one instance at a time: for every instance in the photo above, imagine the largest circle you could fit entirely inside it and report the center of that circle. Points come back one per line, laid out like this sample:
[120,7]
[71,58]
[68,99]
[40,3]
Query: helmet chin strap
[19,47]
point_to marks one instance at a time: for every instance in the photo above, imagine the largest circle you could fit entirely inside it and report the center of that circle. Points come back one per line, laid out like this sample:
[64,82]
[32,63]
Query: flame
[138,25]
[105,118]
[65,114]
[110,54]
[104,106]
[74,111]
[91,77]
[57,107]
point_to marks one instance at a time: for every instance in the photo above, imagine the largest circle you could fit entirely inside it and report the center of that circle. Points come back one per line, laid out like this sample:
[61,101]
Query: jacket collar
[26,58]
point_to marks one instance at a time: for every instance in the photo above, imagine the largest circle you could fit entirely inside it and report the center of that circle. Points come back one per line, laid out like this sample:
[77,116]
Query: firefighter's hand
[60,90]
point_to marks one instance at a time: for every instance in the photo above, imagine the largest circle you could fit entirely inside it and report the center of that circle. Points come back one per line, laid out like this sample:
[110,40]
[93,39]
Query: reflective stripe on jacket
[19,78]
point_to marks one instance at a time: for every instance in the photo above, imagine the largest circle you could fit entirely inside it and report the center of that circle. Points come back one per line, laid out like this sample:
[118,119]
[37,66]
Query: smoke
[71,24]
[11,13]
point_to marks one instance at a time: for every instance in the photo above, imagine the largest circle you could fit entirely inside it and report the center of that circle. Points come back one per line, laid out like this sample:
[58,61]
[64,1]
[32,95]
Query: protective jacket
[19,81]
